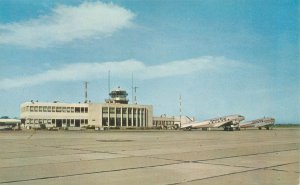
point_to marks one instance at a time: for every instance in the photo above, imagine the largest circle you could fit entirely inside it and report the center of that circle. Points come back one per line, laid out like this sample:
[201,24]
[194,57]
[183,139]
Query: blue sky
[222,57]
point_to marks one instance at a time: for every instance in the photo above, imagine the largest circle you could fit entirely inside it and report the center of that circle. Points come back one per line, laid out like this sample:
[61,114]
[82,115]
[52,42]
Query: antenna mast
[85,92]
[108,82]
[135,87]
[133,91]
[180,110]
[132,87]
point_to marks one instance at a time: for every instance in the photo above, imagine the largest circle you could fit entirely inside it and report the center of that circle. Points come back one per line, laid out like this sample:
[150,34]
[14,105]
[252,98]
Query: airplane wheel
[259,128]
[267,128]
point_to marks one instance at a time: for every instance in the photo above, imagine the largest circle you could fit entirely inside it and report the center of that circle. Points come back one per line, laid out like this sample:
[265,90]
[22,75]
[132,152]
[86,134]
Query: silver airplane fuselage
[227,122]
[259,123]
[7,123]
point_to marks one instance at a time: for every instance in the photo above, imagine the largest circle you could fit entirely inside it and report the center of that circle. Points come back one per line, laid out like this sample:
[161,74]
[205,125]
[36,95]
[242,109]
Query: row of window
[163,122]
[55,109]
[58,122]
[112,116]
[113,110]
[117,122]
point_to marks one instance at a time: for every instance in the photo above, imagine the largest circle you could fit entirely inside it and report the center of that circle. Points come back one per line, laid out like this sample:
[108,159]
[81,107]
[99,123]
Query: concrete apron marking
[226,157]
[175,162]
[87,173]
[244,171]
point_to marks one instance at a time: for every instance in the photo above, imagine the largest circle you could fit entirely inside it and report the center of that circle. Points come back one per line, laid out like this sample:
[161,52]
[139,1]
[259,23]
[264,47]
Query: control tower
[118,96]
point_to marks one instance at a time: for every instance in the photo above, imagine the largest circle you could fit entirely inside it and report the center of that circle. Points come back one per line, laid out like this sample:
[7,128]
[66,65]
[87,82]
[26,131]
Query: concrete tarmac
[150,157]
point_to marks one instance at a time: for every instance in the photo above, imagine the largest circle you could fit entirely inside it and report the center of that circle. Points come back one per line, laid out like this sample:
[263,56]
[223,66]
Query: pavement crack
[87,173]
[227,174]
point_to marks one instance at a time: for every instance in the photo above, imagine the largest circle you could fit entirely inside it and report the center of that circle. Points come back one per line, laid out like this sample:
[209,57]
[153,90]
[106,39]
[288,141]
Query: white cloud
[67,23]
[121,69]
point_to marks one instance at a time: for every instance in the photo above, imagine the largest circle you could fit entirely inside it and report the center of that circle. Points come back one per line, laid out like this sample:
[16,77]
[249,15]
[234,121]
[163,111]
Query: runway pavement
[150,157]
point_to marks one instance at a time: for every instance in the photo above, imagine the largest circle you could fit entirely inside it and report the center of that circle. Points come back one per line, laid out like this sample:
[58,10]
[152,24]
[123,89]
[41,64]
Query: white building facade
[36,114]
[115,113]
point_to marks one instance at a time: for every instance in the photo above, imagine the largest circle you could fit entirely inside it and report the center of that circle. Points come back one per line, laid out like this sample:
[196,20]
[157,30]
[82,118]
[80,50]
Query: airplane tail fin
[190,119]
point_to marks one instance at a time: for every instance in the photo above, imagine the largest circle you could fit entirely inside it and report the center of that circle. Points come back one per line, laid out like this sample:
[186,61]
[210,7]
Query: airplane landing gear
[228,129]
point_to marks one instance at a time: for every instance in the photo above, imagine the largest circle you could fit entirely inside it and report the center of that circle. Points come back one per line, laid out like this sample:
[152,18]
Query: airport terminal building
[164,122]
[114,113]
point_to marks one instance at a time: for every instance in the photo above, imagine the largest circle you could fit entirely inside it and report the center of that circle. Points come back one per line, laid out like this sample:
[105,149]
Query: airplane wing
[208,124]
[263,124]
[247,125]
[223,123]
[192,125]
